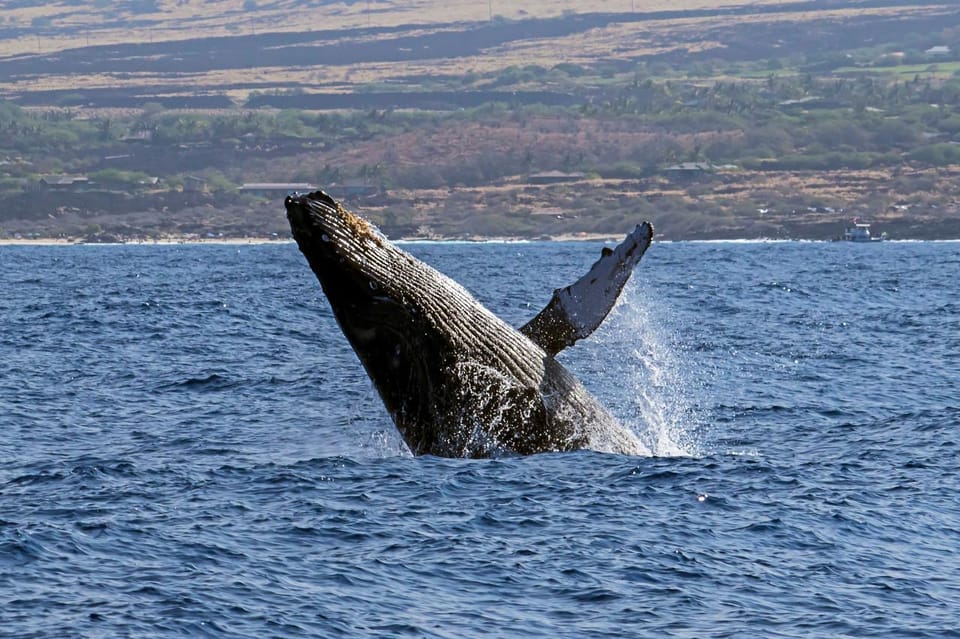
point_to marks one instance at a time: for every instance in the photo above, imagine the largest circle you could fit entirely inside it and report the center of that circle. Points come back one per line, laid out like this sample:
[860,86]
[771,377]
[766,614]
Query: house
[138,137]
[689,169]
[63,182]
[555,177]
[194,184]
[276,189]
[938,50]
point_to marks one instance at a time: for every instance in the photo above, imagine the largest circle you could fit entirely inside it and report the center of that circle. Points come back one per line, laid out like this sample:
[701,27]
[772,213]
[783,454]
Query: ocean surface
[189,448]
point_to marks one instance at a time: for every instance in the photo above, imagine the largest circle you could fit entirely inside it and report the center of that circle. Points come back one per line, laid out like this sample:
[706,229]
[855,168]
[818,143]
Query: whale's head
[378,297]
[364,276]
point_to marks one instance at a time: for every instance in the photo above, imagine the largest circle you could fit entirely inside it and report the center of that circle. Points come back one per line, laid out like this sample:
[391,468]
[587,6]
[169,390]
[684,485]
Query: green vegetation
[790,122]
[793,122]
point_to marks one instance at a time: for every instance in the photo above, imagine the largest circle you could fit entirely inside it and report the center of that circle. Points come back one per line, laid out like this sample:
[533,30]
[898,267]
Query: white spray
[647,381]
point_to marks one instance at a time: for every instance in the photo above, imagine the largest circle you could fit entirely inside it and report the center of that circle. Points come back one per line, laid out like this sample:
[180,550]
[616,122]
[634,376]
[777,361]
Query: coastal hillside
[148,119]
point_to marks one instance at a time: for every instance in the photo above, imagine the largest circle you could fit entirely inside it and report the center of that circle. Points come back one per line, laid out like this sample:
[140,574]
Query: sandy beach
[41,241]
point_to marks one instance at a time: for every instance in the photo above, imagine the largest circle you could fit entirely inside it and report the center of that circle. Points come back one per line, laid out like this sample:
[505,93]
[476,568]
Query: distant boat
[860,232]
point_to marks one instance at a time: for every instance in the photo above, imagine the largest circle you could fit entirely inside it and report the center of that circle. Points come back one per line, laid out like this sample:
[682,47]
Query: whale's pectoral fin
[576,311]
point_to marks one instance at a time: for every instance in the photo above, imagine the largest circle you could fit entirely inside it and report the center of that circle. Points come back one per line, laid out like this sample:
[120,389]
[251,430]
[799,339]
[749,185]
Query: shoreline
[578,236]
[53,241]
[77,241]
[4,242]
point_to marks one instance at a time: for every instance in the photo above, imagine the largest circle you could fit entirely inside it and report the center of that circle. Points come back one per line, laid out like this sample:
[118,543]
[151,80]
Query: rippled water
[188,447]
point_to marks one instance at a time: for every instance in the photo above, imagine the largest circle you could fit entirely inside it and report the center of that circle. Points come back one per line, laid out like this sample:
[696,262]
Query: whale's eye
[325,237]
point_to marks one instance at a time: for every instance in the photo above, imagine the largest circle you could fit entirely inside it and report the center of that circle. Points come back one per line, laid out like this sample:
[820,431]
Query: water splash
[656,389]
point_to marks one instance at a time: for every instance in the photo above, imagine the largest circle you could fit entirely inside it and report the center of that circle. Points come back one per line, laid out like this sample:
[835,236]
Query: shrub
[937,154]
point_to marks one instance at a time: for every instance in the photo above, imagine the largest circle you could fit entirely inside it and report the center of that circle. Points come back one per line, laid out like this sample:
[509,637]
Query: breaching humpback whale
[456,379]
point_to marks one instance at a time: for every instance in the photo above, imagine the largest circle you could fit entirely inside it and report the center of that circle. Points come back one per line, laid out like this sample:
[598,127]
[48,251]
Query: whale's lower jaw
[456,380]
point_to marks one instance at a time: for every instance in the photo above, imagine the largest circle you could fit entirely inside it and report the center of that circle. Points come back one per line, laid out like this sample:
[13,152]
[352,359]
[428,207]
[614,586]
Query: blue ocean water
[188,447]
